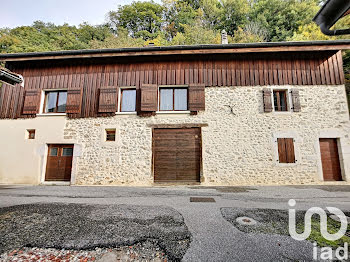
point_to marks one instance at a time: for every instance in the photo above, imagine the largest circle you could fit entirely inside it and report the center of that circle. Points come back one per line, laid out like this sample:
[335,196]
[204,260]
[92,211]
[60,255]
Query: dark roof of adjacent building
[182,50]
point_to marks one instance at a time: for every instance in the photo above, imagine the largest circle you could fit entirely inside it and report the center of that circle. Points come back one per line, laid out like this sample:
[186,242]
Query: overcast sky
[24,12]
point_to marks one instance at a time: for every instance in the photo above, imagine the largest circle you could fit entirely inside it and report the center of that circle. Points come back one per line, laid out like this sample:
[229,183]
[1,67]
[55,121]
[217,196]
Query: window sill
[126,113]
[51,114]
[282,112]
[173,112]
[286,164]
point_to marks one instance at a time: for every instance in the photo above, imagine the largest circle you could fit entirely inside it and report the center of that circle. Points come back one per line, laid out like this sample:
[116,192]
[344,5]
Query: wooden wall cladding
[253,69]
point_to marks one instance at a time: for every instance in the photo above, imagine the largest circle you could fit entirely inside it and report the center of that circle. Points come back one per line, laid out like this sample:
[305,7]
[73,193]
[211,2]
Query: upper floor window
[173,99]
[128,100]
[280,100]
[55,101]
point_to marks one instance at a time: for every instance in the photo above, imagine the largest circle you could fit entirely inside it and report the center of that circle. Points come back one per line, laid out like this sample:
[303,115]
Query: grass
[315,236]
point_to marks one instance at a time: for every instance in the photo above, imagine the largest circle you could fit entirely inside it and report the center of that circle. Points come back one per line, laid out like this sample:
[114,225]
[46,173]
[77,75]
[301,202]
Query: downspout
[326,31]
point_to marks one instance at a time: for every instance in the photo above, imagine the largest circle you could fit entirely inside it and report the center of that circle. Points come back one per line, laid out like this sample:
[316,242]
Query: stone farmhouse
[231,114]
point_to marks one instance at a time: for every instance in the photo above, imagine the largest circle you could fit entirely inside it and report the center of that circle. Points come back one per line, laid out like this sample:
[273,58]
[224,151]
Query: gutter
[9,78]
[329,14]
[325,29]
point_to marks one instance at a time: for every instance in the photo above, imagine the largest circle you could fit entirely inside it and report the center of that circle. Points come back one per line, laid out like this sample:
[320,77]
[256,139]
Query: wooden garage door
[59,163]
[330,159]
[177,154]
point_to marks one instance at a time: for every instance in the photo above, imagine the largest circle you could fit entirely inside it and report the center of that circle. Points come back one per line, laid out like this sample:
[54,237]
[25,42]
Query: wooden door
[330,159]
[176,154]
[59,163]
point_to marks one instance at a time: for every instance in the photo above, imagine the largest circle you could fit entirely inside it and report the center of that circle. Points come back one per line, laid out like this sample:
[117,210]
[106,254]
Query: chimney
[224,39]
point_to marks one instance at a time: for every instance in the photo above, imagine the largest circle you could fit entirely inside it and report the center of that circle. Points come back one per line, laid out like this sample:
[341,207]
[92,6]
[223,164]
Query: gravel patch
[86,227]
[146,251]
[270,221]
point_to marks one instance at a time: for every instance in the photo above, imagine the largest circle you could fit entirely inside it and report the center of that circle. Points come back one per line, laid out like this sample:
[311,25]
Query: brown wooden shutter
[290,150]
[267,100]
[149,98]
[108,100]
[296,100]
[31,102]
[196,97]
[74,99]
[286,150]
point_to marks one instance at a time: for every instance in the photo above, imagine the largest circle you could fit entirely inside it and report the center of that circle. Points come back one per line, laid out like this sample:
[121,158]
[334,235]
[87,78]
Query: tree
[246,35]
[309,32]
[87,33]
[112,41]
[234,14]
[211,13]
[141,19]
[225,14]
[195,4]
[176,22]
[178,13]
[282,18]
[196,35]
[49,37]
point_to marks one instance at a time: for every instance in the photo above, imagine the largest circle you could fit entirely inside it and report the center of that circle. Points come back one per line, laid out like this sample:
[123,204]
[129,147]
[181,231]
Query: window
[173,99]
[53,151]
[280,100]
[128,100]
[110,134]
[67,151]
[286,150]
[55,101]
[31,134]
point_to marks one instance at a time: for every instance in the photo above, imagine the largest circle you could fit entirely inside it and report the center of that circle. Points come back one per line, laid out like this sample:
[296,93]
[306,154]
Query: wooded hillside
[178,22]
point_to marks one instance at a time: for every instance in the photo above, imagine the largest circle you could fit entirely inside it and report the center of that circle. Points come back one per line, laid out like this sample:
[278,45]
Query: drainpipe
[330,13]
[326,31]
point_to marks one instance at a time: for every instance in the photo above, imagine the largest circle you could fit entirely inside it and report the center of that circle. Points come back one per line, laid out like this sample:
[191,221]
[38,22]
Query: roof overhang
[10,77]
[330,13]
[272,47]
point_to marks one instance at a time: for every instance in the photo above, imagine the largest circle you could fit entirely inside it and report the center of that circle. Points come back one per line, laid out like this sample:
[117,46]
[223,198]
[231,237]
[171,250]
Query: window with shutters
[55,101]
[127,100]
[173,99]
[286,153]
[280,100]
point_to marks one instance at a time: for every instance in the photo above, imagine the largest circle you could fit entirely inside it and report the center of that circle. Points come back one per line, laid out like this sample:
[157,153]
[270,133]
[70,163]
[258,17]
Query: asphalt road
[213,238]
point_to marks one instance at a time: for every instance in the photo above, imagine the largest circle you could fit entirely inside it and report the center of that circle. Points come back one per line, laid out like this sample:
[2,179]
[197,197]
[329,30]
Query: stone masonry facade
[238,143]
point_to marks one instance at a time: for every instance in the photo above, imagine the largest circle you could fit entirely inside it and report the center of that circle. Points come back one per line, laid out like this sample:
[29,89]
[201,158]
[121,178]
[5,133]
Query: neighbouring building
[240,114]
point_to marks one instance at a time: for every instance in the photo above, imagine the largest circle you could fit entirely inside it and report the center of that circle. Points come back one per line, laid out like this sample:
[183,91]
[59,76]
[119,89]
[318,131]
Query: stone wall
[239,145]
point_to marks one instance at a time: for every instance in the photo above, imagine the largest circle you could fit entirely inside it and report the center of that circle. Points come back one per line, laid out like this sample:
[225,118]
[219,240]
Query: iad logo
[326,253]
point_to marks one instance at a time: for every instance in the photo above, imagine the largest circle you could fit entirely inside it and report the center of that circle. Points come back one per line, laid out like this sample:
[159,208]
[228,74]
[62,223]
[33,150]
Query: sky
[74,12]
